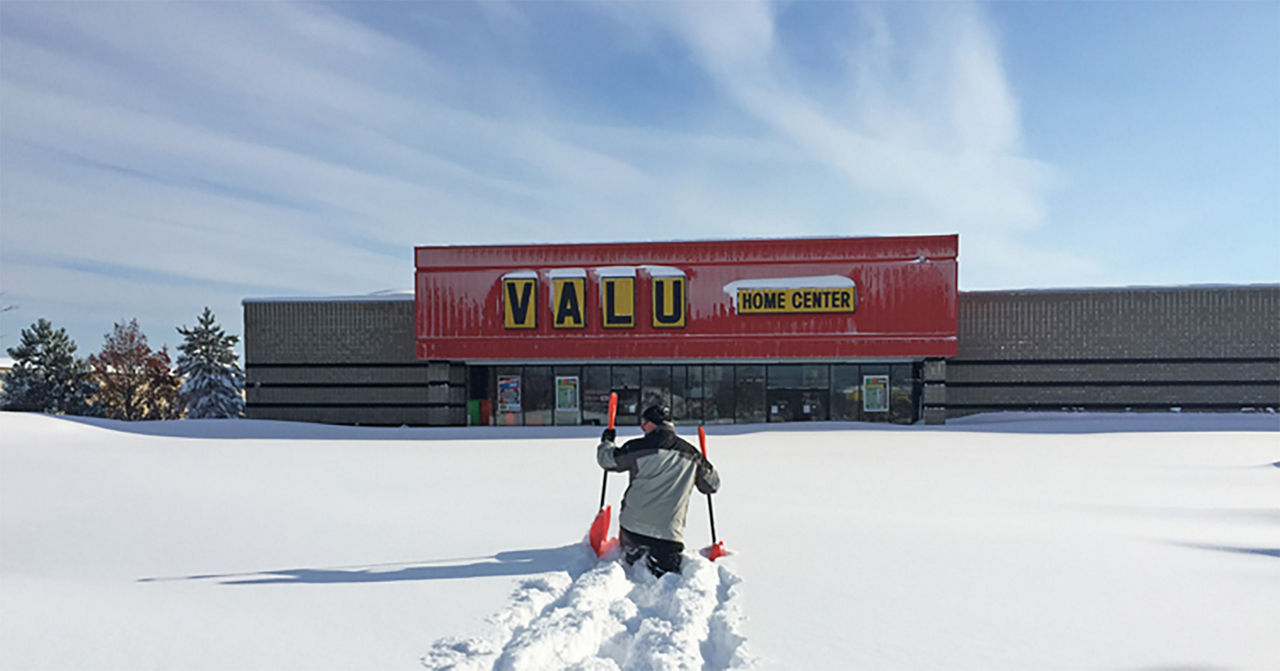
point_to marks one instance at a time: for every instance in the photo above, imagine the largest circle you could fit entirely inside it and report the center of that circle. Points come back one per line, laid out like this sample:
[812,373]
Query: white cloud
[281,145]
[932,127]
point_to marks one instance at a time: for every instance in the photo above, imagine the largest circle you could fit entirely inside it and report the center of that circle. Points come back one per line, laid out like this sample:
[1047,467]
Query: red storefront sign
[831,298]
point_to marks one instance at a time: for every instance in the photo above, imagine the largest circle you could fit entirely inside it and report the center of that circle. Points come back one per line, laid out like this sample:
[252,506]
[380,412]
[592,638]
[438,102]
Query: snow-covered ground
[996,542]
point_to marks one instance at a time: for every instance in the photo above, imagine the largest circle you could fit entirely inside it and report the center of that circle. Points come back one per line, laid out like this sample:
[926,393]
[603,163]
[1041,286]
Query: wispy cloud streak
[930,129]
[308,147]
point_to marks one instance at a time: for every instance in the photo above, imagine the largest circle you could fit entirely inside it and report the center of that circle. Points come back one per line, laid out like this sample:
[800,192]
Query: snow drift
[995,542]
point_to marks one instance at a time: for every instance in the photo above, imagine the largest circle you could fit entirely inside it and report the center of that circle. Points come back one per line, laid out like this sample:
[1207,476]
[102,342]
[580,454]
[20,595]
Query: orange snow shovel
[716,549]
[600,526]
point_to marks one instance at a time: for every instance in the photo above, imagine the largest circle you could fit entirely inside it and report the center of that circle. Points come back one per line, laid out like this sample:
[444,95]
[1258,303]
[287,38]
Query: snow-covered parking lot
[995,542]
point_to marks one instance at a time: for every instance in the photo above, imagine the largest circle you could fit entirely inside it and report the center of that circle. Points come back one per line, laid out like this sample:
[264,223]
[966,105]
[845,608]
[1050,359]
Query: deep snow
[997,542]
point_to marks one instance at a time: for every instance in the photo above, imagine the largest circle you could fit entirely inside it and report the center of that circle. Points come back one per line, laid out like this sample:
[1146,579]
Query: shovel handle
[711,513]
[613,412]
[604,483]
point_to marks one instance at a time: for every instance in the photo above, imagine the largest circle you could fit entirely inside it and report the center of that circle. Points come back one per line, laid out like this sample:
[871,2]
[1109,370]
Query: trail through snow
[1005,542]
[605,616]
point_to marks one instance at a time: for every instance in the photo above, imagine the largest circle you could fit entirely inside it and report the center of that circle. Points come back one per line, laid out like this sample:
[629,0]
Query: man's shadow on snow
[510,563]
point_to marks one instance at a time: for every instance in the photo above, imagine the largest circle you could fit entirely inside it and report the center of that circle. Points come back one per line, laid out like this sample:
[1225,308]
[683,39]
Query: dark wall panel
[345,362]
[1206,348]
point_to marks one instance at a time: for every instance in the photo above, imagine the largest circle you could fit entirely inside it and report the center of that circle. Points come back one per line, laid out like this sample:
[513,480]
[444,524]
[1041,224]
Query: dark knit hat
[657,414]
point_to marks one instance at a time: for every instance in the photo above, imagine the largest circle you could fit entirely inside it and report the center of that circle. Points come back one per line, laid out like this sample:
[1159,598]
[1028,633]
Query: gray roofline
[367,298]
[391,296]
[1136,287]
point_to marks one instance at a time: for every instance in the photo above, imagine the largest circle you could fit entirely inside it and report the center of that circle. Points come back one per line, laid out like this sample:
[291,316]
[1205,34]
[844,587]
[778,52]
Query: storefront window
[846,392]
[717,404]
[508,407]
[798,376]
[626,382]
[815,376]
[785,376]
[710,394]
[813,405]
[797,405]
[568,395]
[691,408]
[538,395]
[797,392]
[678,392]
[479,382]
[595,395]
[655,386]
[626,377]
[876,385]
[902,407]
[694,382]
[749,406]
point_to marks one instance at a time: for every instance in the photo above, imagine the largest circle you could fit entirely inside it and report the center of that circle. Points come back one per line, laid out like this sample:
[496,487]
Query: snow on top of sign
[810,282]
[601,271]
[663,271]
[630,271]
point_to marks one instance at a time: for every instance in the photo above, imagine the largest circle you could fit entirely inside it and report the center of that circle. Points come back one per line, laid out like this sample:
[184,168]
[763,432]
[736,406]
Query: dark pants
[661,555]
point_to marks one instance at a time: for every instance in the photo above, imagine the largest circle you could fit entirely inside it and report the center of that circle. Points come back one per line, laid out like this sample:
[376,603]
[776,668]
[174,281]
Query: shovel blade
[714,552]
[600,530]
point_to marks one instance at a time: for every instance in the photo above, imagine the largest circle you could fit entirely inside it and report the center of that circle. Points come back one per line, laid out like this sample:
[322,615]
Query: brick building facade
[1199,348]
[1159,348]
[345,361]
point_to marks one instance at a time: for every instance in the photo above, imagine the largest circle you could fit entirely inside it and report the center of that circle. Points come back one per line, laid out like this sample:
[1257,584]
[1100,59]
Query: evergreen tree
[46,375]
[214,382]
[134,381]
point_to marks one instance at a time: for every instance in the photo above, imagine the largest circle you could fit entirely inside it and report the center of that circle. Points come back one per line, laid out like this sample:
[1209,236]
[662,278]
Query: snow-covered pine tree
[214,382]
[46,375]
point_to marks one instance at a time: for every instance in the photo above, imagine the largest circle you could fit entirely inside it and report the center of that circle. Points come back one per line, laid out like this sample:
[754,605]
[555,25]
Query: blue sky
[156,158]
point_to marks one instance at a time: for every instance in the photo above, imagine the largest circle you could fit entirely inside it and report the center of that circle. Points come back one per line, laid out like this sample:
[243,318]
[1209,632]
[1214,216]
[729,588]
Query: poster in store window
[875,393]
[508,393]
[567,392]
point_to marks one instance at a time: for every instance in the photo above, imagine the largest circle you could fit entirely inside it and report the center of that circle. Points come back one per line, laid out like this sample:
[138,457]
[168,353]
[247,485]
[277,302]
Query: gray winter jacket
[664,470]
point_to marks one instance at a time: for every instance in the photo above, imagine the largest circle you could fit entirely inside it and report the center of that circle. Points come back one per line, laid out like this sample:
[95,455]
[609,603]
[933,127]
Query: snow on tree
[46,375]
[134,381]
[214,382]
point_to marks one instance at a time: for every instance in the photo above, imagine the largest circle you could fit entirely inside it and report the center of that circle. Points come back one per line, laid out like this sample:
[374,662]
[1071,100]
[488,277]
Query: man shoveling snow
[664,470]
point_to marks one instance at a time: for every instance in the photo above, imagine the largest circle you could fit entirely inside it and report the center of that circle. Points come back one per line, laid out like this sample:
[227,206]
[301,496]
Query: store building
[865,329]
[726,331]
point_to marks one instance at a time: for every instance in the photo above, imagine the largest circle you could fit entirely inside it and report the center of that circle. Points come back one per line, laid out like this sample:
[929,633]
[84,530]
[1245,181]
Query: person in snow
[664,470]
